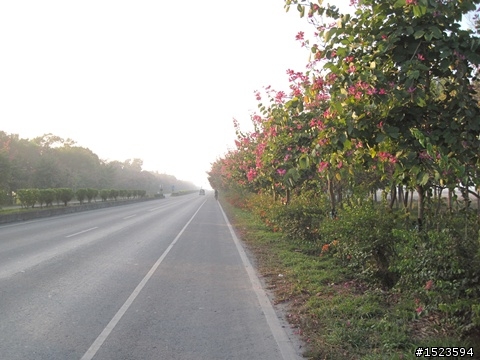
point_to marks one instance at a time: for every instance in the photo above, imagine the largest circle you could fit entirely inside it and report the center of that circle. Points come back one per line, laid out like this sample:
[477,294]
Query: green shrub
[104,194]
[91,194]
[27,197]
[442,270]
[301,219]
[362,233]
[64,195]
[81,195]
[46,196]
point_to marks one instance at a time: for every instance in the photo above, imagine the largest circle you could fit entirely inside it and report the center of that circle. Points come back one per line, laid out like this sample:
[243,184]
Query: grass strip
[337,315]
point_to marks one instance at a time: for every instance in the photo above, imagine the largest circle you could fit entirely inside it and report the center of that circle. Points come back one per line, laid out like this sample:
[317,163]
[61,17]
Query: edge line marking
[284,343]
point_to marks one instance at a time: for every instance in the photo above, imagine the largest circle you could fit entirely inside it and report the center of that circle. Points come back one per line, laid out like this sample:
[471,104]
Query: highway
[164,279]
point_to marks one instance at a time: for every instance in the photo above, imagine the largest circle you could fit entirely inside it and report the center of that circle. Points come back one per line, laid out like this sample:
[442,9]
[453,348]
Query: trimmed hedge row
[31,197]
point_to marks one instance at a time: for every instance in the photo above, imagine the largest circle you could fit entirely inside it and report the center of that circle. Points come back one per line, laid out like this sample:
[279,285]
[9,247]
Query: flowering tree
[402,91]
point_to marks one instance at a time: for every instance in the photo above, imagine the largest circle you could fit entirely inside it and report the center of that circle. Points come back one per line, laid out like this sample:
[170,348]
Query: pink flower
[279,97]
[384,156]
[322,166]
[281,172]
[300,36]
[429,285]
[420,57]
[252,174]
[419,309]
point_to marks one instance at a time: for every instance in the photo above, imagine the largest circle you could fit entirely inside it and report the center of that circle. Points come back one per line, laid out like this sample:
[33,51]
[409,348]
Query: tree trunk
[339,196]
[478,202]
[449,200]
[421,207]
[405,199]
[401,195]
[466,198]
[331,193]
[393,196]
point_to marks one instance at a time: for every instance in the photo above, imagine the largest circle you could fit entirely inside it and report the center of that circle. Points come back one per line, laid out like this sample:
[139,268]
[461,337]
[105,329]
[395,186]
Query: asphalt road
[164,279]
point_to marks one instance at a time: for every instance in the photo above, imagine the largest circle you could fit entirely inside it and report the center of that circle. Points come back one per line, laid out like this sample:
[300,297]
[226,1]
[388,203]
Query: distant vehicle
[202,192]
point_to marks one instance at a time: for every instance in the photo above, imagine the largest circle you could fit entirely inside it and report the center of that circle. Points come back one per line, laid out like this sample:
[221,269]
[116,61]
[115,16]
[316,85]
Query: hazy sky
[157,80]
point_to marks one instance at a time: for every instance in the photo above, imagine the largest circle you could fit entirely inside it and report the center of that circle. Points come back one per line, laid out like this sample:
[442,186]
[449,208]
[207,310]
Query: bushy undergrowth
[425,284]
[362,238]
[301,219]
[442,271]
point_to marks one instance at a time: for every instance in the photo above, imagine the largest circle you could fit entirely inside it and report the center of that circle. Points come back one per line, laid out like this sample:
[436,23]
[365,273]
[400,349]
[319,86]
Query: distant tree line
[51,162]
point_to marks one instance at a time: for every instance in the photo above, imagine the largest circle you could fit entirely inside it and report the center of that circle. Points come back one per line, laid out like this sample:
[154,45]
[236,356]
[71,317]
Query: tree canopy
[49,161]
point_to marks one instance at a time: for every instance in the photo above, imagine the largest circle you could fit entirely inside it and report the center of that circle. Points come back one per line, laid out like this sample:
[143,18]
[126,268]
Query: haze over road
[162,279]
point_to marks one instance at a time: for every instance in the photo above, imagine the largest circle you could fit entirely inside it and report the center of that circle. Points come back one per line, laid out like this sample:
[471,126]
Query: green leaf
[418,34]
[301,9]
[436,32]
[380,138]
[414,74]
[419,10]
[423,178]
[347,145]
[392,131]
[304,162]
[420,101]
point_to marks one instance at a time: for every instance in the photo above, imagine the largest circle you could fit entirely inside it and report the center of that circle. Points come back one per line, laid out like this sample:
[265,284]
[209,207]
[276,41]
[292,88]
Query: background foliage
[50,162]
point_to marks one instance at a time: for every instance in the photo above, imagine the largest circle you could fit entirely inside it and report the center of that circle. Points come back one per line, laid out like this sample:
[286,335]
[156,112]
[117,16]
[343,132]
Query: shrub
[302,218]
[91,194]
[441,270]
[114,194]
[104,194]
[27,197]
[81,195]
[64,195]
[364,242]
[46,196]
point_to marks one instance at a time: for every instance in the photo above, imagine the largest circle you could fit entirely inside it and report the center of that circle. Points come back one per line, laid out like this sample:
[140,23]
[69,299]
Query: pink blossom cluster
[317,123]
[384,156]
[323,166]
[362,88]
[252,174]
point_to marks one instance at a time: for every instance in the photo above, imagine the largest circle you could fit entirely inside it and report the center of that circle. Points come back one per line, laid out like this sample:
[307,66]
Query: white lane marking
[111,325]
[81,232]
[283,342]
[128,217]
